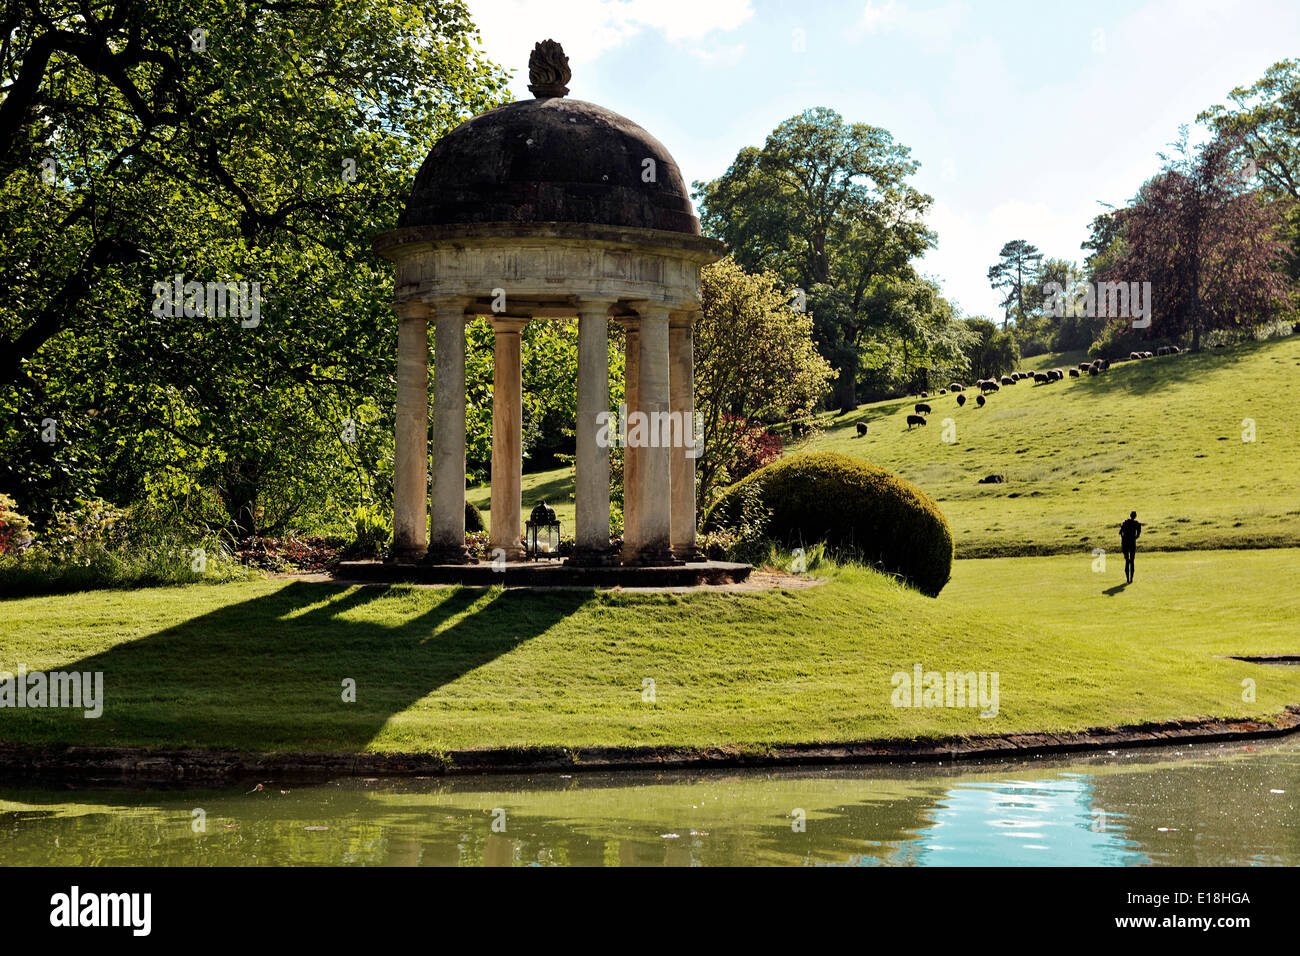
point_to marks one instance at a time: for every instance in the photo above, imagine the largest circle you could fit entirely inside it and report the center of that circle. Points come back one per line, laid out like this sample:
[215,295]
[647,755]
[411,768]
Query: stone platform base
[545,574]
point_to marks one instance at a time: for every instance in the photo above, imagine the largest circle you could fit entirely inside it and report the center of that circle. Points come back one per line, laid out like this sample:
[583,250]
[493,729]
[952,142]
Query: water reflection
[1200,806]
[1045,822]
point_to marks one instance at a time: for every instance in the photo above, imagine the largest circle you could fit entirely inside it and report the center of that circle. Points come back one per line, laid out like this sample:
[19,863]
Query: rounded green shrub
[473,519]
[855,508]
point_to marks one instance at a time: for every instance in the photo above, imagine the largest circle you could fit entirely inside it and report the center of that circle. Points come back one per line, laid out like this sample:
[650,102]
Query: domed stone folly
[542,209]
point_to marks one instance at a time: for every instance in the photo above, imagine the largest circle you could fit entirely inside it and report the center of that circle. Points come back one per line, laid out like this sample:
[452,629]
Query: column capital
[651,309]
[595,304]
[411,308]
[447,306]
[508,323]
[683,317]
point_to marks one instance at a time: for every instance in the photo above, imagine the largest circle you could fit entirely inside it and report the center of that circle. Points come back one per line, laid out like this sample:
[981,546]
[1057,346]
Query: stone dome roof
[551,159]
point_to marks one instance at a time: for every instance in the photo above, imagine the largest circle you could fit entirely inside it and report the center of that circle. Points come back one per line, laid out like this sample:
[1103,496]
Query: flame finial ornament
[548,70]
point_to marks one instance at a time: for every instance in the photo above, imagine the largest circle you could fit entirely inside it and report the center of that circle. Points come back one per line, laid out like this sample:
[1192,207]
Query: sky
[1025,117]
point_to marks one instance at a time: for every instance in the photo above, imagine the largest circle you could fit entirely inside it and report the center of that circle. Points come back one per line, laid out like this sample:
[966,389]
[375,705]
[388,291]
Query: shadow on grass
[557,490]
[1162,371]
[268,673]
[1111,592]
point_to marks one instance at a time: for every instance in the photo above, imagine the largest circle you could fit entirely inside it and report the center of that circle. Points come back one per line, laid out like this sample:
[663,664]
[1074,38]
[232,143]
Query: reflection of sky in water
[1221,805]
[1044,822]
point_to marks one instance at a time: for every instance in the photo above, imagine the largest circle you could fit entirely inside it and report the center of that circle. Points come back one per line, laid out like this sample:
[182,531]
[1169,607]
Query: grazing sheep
[989,386]
[862,429]
[961,399]
[1040,378]
[943,391]
[992,480]
[956,387]
[1083,366]
[921,408]
[1093,370]
[1105,364]
[1134,355]
[925,394]
[1148,355]
[1074,373]
[1008,380]
[979,400]
[915,420]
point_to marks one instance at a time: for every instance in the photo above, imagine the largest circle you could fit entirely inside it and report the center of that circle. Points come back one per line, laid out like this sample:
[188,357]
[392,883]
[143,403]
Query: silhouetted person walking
[1129,532]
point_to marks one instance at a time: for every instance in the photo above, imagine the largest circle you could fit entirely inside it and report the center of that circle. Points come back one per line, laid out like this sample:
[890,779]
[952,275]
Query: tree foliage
[826,206]
[219,141]
[755,362]
[1207,241]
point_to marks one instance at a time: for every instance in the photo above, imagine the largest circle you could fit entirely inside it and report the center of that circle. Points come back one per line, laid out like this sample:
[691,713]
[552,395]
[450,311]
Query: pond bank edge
[138,765]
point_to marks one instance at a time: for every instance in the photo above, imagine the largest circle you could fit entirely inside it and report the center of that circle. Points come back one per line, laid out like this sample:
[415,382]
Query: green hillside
[1162,436]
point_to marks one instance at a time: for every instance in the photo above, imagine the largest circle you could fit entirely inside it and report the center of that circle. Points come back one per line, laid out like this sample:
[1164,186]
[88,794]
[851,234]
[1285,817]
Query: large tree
[825,205]
[1016,274]
[221,140]
[1263,124]
[1208,242]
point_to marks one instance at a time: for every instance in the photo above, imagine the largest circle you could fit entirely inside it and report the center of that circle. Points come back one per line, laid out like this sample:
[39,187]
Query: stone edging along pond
[134,765]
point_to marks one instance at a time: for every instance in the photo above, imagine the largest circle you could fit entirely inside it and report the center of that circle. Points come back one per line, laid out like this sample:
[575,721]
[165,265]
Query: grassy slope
[258,665]
[554,486]
[1162,437]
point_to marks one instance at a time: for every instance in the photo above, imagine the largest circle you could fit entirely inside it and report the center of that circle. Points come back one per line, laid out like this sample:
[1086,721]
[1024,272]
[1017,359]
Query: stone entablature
[545,265]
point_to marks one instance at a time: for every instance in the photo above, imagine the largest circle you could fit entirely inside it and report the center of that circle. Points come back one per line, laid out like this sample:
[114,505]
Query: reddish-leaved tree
[1207,241]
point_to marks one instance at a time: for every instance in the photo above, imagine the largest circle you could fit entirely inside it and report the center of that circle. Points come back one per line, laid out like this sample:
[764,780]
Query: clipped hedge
[854,507]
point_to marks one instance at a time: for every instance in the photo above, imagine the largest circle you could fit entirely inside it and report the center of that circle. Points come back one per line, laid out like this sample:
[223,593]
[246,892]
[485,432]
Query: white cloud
[969,243]
[875,18]
[720,56]
[933,29]
[590,28]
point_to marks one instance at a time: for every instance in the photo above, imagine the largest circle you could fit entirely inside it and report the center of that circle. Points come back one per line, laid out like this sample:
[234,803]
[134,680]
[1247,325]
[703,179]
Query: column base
[593,557]
[446,554]
[652,557]
[512,554]
[689,555]
[405,556]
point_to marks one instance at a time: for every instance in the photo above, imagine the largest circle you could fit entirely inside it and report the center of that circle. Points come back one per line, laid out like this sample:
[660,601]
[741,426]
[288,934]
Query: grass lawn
[258,665]
[555,487]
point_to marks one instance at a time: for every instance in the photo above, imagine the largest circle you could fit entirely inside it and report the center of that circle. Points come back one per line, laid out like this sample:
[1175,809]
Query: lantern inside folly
[542,533]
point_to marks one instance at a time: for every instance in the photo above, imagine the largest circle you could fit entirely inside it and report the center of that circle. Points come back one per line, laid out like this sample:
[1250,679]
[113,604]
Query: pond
[1203,805]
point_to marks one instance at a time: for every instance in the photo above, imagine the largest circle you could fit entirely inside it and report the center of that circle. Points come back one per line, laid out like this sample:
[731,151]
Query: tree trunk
[846,389]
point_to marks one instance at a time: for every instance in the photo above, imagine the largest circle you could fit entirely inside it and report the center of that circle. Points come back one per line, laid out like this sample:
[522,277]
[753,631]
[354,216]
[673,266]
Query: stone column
[631,456]
[411,438]
[447,514]
[507,438]
[681,386]
[652,486]
[591,532]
